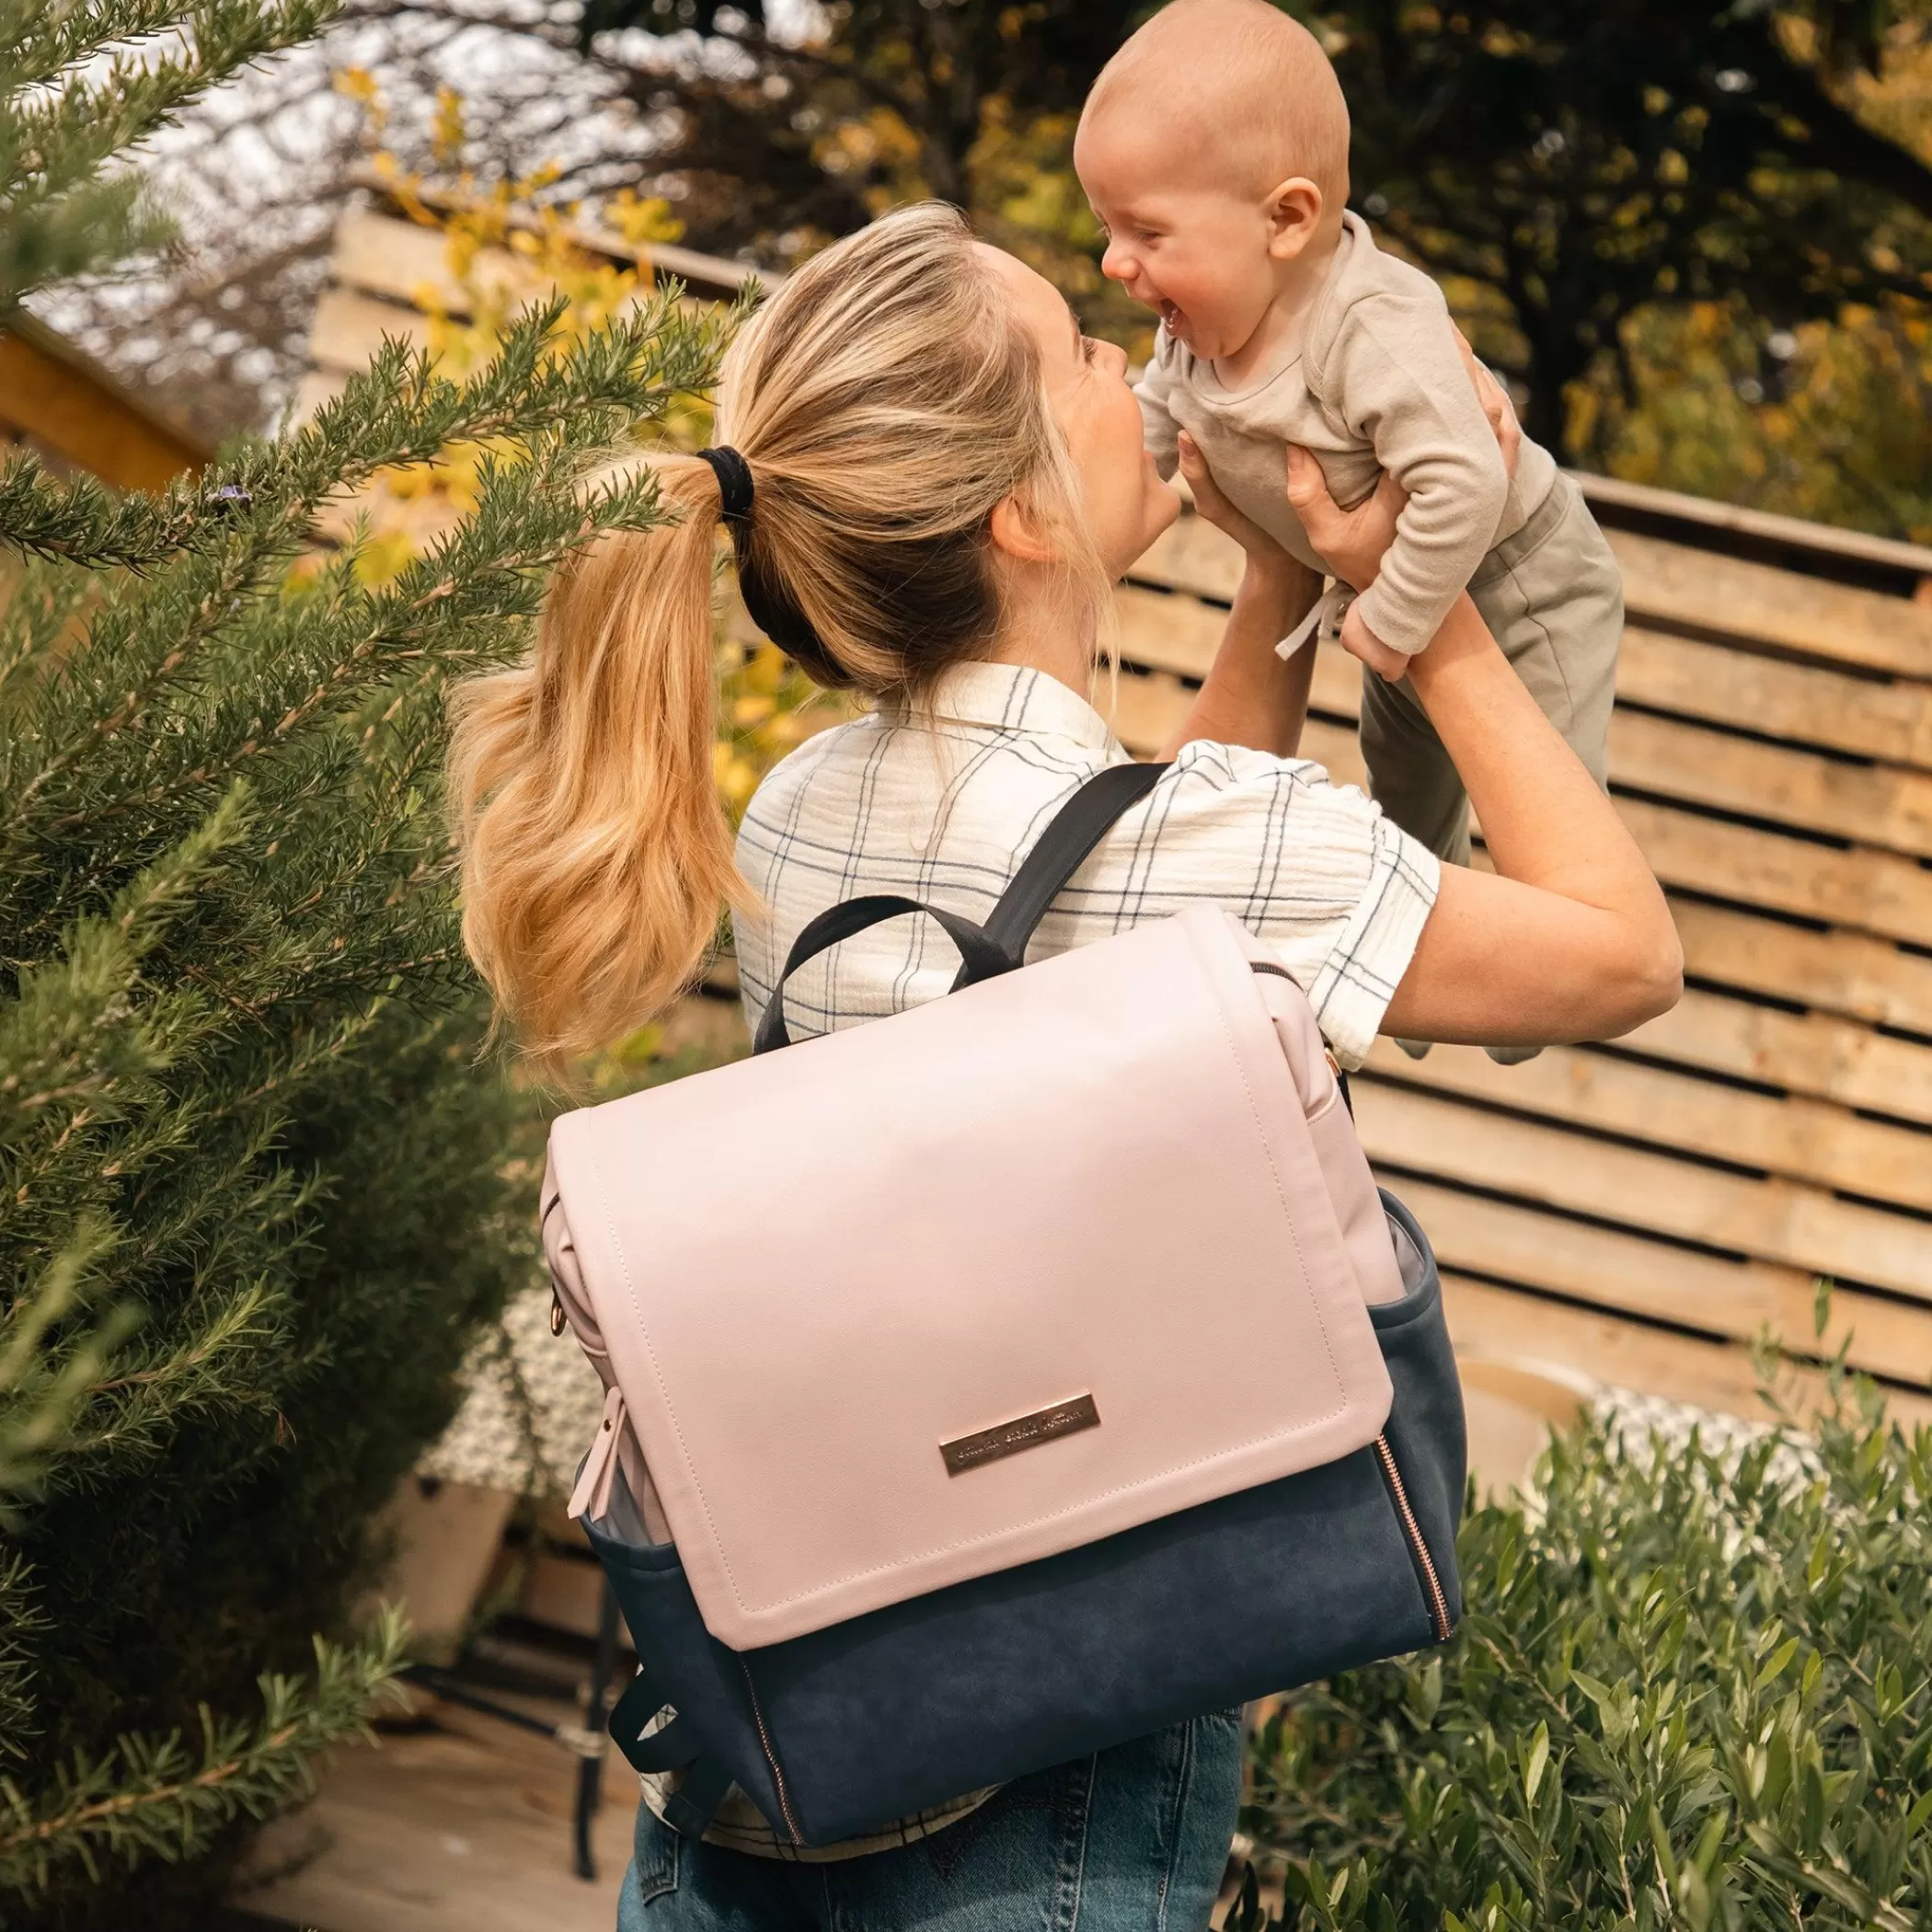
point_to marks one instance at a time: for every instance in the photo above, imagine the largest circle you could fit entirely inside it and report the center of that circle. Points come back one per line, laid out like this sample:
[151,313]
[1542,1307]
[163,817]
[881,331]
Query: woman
[935,481]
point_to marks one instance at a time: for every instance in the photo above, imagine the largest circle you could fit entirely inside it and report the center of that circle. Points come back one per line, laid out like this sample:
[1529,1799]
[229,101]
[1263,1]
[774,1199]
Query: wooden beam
[1664,583]
[51,392]
[1644,1278]
[707,274]
[1871,891]
[1857,974]
[1601,1093]
[1868,892]
[1849,973]
[1822,540]
[1501,1322]
[1868,804]
[1815,1054]
[349,328]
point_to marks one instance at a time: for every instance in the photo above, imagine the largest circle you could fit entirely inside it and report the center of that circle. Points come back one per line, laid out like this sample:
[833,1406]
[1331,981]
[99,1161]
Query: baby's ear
[1294,210]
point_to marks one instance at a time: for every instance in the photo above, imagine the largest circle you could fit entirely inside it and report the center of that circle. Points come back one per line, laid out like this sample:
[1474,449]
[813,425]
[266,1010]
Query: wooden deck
[461,1826]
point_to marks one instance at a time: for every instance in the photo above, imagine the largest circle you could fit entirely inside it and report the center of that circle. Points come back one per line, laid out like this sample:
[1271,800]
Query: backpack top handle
[999,944]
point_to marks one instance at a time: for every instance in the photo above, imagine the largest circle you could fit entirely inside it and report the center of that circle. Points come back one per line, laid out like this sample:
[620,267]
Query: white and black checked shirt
[945,812]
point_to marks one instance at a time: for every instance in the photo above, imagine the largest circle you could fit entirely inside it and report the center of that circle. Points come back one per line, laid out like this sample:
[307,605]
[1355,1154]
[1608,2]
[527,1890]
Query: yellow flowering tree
[505,247]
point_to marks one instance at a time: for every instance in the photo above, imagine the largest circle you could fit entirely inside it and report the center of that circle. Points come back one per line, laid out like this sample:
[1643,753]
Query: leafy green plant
[1694,1689]
[257,1190]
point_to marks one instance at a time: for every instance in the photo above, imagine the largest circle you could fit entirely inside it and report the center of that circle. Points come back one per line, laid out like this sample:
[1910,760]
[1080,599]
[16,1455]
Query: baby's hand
[1360,641]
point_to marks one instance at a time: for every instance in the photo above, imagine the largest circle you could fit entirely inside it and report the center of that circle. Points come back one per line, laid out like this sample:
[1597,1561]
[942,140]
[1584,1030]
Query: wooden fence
[1640,1209]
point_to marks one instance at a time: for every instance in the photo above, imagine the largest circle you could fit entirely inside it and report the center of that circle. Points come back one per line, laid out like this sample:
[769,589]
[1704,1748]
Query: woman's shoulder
[778,791]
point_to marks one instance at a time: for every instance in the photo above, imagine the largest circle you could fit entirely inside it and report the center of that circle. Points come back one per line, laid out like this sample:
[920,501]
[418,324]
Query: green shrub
[256,1189]
[1691,1690]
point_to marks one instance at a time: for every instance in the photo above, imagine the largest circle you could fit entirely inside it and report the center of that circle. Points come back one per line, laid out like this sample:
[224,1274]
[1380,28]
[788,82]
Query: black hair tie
[734,482]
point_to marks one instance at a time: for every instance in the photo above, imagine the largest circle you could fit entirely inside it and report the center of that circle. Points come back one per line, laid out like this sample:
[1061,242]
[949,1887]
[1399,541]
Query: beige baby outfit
[1376,382]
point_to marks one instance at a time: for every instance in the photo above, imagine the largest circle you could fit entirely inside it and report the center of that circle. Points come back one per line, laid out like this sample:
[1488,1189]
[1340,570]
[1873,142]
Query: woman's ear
[1014,532]
[1294,211]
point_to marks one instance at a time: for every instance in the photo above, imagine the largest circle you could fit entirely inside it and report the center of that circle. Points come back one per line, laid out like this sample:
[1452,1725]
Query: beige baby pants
[1552,598]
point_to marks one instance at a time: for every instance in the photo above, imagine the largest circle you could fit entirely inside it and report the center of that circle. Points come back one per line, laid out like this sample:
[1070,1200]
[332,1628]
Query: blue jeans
[1134,1839]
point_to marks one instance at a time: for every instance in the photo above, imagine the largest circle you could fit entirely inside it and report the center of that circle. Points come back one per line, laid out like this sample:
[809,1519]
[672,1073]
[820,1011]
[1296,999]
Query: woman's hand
[1496,405]
[1353,542]
[1260,549]
[1350,542]
[1250,696]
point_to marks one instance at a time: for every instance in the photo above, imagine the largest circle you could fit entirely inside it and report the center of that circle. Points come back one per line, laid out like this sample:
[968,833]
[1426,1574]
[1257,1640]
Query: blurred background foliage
[1697,236]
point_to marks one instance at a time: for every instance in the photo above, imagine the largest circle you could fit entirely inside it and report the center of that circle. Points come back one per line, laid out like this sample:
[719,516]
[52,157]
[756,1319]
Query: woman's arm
[1251,696]
[1573,940]
[1570,938]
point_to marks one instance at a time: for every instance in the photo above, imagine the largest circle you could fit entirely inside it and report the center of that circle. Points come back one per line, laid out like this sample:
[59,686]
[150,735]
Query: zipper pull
[592,1497]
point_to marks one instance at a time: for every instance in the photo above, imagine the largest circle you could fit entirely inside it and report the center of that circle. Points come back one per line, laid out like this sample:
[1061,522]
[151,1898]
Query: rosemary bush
[1694,1689]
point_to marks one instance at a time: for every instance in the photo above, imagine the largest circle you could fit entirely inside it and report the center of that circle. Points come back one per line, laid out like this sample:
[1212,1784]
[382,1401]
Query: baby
[1214,148]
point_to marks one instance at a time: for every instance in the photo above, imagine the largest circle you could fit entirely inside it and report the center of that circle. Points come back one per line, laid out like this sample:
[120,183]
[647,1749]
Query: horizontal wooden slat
[1852,974]
[349,329]
[1875,892]
[1675,584]
[381,255]
[1646,1278]
[1820,541]
[1807,1140]
[1873,805]
[1887,720]
[1192,555]
[316,387]
[1664,583]
[1781,1221]
[1503,1323]
[1814,1053]
[1868,892]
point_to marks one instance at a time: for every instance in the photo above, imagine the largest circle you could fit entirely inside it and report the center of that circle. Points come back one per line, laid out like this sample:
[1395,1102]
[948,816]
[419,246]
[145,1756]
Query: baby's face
[1184,240]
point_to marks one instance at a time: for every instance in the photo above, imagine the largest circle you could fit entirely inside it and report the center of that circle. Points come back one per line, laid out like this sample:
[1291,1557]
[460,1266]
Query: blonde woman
[931,479]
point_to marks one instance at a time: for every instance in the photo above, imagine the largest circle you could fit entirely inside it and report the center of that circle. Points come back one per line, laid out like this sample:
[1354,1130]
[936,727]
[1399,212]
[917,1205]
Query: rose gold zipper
[1439,1604]
[771,1757]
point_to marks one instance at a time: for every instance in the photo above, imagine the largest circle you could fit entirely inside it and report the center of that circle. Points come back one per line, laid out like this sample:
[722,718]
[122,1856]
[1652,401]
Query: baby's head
[1215,148]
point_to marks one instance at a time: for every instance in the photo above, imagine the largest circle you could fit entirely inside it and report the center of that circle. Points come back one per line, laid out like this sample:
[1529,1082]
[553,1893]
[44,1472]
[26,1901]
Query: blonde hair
[1275,107]
[885,400]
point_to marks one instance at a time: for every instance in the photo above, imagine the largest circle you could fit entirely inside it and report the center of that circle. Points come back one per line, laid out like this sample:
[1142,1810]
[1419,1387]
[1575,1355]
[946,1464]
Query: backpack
[1002,1380]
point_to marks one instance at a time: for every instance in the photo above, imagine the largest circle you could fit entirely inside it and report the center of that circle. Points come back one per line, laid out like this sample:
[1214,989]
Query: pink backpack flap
[1079,1246]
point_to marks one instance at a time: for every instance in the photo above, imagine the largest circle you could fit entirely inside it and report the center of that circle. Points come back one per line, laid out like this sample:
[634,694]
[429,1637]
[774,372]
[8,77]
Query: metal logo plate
[988,1445]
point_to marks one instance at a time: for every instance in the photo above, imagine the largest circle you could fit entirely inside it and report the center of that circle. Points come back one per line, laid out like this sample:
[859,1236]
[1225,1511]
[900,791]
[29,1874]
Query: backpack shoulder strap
[1000,944]
[1060,850]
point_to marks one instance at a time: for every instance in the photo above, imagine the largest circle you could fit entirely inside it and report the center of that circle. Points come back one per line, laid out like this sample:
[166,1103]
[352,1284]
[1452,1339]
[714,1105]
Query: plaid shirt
[944,810]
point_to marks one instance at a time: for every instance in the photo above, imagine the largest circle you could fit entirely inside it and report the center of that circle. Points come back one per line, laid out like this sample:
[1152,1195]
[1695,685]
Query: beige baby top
[1375,383]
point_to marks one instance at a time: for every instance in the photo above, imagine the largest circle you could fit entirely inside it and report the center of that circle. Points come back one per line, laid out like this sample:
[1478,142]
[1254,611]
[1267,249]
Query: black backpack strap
[1060,850]
[853,915]
[999,945]
[690,1809]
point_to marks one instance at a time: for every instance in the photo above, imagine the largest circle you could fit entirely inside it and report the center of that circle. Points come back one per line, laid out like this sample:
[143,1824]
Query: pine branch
[80,521]
[44,1384]
[58,217]
[152,1797]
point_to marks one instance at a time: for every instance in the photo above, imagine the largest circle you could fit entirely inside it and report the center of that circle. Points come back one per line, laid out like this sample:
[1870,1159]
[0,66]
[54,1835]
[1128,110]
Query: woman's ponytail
[882,404]
[596,856]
